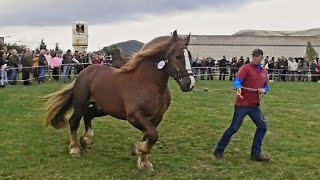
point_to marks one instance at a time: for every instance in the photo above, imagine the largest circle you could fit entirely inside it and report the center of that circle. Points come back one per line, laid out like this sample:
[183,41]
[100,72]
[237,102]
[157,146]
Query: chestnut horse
[118,57]
[138,93]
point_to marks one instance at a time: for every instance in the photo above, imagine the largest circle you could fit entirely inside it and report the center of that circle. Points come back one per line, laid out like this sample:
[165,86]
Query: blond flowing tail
[57,107]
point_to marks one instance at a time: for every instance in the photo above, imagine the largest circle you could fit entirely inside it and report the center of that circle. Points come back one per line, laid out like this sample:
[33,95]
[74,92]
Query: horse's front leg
[143,149]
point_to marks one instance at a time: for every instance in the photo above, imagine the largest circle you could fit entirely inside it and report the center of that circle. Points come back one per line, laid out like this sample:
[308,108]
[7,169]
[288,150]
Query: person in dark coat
[26,62]
[234,68]
[223,68]
[13,66]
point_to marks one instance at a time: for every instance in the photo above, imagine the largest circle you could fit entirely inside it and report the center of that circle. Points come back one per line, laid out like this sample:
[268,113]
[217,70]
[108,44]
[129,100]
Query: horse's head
[178,64]
[112,50]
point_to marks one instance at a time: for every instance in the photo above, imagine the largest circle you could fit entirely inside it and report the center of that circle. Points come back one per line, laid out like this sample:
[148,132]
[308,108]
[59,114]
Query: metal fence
[199,72]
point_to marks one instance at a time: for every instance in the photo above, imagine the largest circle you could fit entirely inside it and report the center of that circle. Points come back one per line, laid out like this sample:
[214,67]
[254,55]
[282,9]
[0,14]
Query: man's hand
[239,93]
[262,91]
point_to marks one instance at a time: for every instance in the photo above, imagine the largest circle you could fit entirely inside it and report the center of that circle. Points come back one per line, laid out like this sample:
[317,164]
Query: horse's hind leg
[74,125]
[92,112]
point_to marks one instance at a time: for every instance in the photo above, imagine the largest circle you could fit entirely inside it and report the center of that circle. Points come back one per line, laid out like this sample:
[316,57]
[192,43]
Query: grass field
[188,133]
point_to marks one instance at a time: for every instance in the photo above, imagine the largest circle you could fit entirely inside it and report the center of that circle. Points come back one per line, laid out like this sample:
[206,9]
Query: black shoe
[218,155]
[259,158]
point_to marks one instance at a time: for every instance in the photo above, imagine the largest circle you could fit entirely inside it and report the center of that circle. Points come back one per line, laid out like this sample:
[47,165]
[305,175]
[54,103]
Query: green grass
[188,133]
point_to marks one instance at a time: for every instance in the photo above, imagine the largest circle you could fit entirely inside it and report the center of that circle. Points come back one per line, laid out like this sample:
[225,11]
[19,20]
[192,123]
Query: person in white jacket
[292,67]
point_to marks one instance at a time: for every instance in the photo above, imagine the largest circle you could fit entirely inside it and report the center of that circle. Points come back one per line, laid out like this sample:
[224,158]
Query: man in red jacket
[251,81]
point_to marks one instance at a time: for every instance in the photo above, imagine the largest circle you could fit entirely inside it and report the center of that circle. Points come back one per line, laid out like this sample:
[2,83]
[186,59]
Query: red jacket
[96,61]
[318,68]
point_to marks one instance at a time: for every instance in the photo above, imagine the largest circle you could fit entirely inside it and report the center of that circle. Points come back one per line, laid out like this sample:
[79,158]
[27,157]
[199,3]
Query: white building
[216,46]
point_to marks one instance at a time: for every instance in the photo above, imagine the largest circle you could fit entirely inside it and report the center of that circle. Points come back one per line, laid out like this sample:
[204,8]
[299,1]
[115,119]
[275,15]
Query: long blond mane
[152,48]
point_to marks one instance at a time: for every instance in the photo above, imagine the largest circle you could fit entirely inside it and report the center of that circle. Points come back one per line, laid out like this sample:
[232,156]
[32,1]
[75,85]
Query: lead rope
[263,108]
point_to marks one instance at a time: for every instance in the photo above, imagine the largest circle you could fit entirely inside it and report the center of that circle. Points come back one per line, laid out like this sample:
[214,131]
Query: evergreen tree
[311,53]
[42,45]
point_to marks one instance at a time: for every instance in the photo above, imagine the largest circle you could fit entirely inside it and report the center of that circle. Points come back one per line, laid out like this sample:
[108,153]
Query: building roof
[237,40]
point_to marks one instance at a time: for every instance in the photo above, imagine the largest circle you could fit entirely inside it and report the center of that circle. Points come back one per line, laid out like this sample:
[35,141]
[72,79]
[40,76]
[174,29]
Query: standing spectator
[96,59]
[305,69]
[26,62]
[3,66]
[48,58]
[299,69]
[206,66]
[86,59]
[265,62]
[292,67]
[55,65]
[35,66]
[240,63]
[280,68]
[211,69]
[66,62]
[223,68]
[194,68]
[81,65]
[234,69]
[295,67]
[247,61]
[284,69]
[313,69]
[13,66]
[43,64]
[202,69]
[76,56]
[271,69]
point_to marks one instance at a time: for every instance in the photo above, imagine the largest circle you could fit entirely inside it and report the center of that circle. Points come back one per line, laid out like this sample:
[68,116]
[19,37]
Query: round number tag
[161,64]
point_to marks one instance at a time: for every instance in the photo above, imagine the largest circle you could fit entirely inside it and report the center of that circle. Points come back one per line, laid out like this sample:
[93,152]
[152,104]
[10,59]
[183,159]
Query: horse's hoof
[85,142]
[146,167]
[134,151]
[75,152]
[150,169]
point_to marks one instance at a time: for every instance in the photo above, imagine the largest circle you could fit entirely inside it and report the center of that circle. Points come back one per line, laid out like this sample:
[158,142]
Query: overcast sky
[112,21]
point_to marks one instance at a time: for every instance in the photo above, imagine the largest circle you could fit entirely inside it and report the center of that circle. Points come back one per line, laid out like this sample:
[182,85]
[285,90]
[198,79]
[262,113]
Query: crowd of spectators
[279,69]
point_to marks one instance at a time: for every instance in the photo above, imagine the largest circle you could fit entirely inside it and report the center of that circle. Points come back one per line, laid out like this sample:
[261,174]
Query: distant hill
[128,47]
[309,32]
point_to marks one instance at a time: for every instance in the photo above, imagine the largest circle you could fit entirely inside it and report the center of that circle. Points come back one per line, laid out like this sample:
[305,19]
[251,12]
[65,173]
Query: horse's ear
[188,39]
[175,35]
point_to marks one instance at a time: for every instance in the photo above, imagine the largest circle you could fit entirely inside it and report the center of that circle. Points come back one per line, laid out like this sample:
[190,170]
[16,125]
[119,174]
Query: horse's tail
[58,105]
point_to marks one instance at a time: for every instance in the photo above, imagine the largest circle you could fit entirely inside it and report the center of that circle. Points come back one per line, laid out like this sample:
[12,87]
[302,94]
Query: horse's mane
[157,45]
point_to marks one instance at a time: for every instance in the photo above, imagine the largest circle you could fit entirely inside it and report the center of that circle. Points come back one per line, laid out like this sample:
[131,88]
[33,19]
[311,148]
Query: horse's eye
[179,57]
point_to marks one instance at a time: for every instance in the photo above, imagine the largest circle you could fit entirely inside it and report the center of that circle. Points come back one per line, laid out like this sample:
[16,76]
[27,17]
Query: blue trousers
[13,76]
[239,114]
[4,78]
[42,74]
[66,69]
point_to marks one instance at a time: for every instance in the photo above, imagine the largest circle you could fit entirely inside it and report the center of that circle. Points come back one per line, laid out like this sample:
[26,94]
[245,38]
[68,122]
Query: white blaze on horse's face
[188,68]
